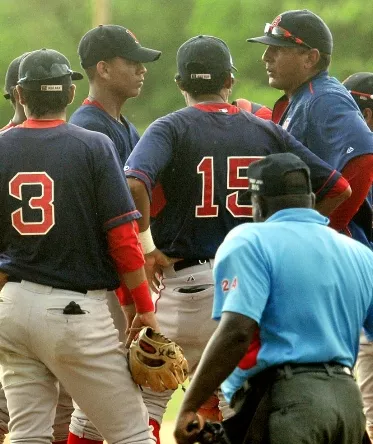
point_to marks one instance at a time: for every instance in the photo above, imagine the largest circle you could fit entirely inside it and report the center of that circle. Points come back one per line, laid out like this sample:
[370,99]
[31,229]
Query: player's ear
[72,90]
[19,91]
[102,68]
[312,58]
[368,115]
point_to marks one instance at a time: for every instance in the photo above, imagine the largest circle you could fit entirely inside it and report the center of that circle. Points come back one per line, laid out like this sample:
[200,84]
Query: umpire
[310,310]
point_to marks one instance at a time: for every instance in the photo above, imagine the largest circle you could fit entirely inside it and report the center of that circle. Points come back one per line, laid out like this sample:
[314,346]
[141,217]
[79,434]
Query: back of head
[360,86]
[106,42]
[283,180]
[11,76]
[45,77]
[298,27]
[203,63]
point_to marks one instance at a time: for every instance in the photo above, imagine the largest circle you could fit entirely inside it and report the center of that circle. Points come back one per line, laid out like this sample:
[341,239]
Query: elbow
[347,193]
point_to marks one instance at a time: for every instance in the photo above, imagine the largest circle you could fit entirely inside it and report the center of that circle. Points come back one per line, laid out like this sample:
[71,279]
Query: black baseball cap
[267,176]
[360,85]
[108,41]
[303,28]
[203,57]
[46,70]
[11,76]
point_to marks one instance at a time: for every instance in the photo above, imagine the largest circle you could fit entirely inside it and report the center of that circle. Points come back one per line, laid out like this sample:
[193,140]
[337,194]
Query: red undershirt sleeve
[359,174]
[126,251]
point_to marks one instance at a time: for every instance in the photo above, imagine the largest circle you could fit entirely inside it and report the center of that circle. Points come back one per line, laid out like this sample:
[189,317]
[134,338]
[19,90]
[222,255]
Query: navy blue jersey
[200,158]
[61,189]
[123,134]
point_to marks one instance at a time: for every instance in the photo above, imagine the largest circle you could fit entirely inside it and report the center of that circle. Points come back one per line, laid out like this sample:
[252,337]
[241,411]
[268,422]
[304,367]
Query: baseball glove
[156,362]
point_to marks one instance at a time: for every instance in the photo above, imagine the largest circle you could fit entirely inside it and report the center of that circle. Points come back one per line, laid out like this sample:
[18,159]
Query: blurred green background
[165,24]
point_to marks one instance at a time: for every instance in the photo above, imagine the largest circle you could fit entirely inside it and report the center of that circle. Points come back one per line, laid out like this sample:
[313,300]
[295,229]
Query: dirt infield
[166,433]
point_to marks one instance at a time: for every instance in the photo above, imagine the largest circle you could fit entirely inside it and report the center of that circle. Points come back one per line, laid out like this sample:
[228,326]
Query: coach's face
[126,76]
[287,68]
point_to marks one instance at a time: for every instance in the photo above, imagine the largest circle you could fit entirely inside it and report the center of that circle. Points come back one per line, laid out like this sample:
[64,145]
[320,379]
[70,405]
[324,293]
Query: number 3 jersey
[61,188]
[199,155]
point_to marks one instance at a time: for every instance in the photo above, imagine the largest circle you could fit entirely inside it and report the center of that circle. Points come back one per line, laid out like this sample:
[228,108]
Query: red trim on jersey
[359,173]
[10,125]
[326,182]
[147,178]
[36,123]
[125,247]
[310,87]
[93,103]
[119,217]
[141,297]
[279,108]
[216,107]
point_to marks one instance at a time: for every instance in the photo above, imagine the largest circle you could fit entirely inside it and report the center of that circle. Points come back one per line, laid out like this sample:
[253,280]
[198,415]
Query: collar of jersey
[298,215]
[225,108]
[35,123]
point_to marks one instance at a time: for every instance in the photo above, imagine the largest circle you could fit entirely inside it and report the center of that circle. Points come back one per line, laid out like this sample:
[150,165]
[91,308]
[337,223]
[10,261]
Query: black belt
[76,290]
[186,263]
[330,368]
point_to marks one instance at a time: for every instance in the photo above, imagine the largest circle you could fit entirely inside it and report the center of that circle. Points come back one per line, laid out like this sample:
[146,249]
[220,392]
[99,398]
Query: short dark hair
[41,103]
[196,87]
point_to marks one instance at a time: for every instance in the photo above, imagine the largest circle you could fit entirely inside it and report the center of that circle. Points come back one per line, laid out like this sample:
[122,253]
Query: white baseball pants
[40,345]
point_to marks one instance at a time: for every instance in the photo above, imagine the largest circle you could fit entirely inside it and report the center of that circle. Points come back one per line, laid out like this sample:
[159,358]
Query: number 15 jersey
[199,155]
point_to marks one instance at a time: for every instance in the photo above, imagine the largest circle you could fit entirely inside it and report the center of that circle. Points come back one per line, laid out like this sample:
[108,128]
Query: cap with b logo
[46,70]
[108,41]
[299,27]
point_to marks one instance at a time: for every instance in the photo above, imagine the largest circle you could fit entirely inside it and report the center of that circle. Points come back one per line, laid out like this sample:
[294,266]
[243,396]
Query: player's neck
[112,105]
[50,116]
[205,98]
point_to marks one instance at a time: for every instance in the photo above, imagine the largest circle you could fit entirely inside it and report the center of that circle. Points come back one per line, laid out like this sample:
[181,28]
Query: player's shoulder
[88,136]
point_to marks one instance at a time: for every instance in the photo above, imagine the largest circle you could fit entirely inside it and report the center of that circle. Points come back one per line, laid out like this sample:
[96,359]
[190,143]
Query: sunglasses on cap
[281,33]
[361,94]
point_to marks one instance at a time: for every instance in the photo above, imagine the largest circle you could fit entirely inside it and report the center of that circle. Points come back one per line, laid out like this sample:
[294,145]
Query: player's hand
[188,425]
[155,262]
[139,321]
[3,279]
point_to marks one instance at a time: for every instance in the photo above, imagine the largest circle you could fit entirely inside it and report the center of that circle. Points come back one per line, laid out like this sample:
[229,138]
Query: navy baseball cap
[203,57]
[360,85]
[46,70]
[267,176]
[108,41]
[299,27]
[11,76]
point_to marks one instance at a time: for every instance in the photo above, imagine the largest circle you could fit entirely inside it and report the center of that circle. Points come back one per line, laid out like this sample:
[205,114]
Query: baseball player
[317,110]
[360,86]
[64,406]
[198,155]
[310,298]
[11,79]
[69,234]
[113,60]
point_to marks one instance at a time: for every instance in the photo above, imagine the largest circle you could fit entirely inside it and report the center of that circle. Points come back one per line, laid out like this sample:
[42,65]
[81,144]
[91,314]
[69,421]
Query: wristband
[146,240]
[141,297]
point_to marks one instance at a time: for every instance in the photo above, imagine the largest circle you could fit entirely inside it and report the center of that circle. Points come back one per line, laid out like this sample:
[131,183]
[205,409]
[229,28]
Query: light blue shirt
[309,288]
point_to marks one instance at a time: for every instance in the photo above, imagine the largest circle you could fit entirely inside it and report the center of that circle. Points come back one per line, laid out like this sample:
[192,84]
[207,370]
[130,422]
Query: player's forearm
[142,202]
[126,251]
[233,334]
